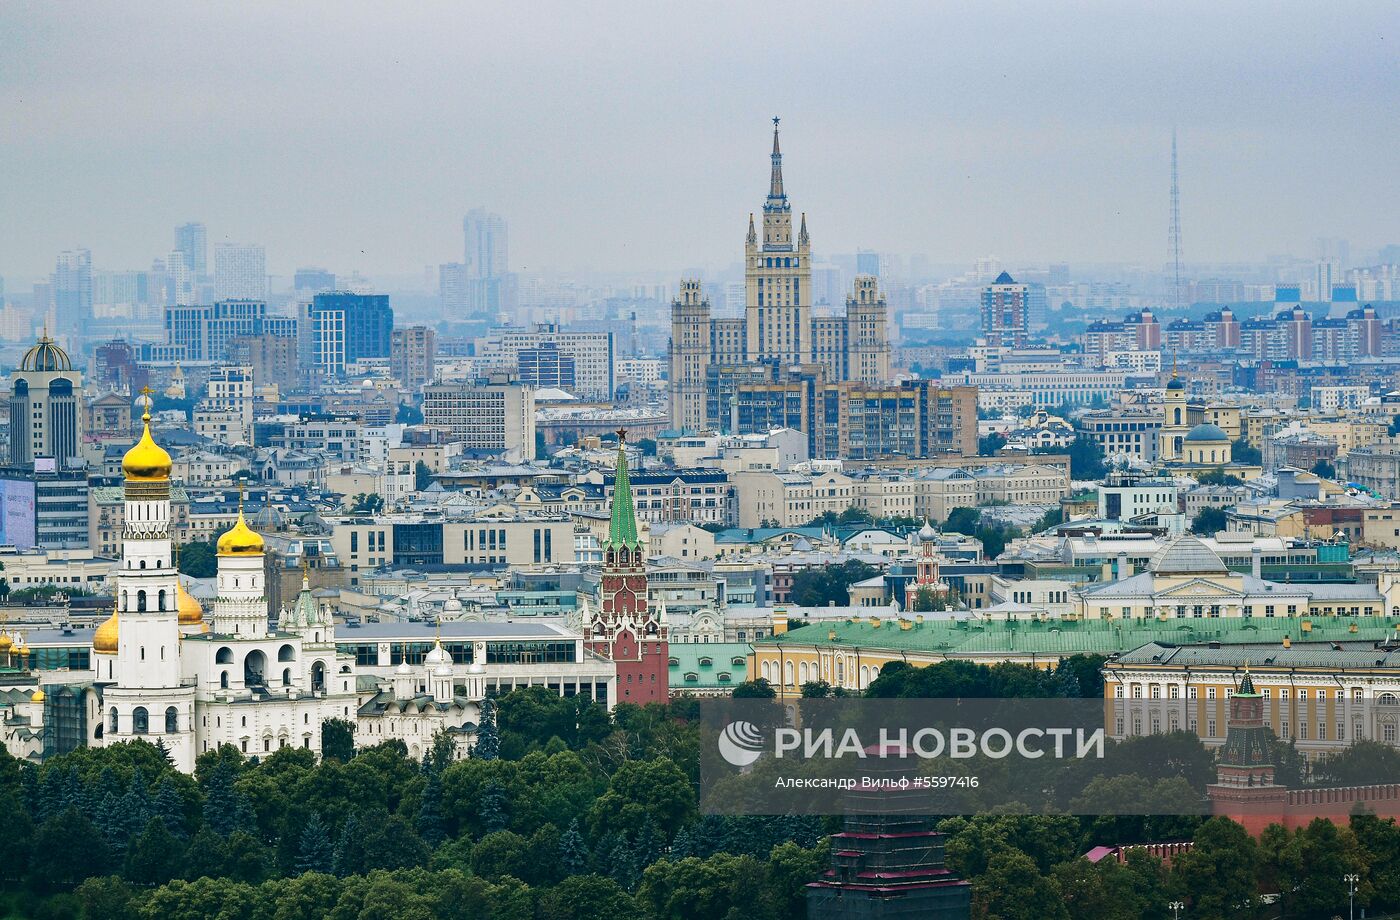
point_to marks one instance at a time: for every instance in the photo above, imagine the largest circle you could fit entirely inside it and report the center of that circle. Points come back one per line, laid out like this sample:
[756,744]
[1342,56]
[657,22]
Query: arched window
[143,563]
[286,677]
[1177,413]
[286,653]
[172,720]
[140,721]
[1386,699]
[160,600]
[223,680]
[255,669]
[318,676]
[140,601]
[112,720]
[224,656]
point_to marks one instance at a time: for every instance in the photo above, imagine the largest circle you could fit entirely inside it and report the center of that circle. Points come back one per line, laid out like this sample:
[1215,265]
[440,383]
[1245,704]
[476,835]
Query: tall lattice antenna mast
[1178,292]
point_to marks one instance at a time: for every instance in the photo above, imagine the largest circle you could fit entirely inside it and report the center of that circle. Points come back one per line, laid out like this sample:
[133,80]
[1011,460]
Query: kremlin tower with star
[625,630]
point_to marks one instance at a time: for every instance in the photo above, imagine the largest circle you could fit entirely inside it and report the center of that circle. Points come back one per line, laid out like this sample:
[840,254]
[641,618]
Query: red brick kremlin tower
[625,630]
[1244,788]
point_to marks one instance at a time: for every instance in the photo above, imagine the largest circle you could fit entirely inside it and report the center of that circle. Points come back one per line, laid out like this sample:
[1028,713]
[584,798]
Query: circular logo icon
[740,743]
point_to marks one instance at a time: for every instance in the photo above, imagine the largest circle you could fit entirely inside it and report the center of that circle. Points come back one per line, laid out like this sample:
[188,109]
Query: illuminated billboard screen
[17,513]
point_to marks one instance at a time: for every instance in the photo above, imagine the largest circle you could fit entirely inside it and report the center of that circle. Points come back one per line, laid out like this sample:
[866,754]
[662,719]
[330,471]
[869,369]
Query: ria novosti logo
[740,743]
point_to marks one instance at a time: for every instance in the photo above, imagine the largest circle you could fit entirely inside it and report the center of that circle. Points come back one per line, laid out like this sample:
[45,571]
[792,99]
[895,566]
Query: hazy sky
[635,136]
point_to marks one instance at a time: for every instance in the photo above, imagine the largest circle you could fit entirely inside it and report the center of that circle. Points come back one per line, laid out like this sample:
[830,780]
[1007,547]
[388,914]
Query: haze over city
[630,137]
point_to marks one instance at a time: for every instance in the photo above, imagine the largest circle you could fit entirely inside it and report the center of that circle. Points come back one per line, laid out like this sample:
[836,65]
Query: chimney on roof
[1125,568]
[1256,561]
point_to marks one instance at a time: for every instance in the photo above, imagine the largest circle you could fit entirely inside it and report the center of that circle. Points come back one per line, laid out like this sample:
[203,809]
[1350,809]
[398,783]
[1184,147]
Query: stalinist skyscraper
[778,326]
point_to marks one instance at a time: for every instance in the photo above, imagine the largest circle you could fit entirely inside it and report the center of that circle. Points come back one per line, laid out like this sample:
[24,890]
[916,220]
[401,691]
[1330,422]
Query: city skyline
[643,164]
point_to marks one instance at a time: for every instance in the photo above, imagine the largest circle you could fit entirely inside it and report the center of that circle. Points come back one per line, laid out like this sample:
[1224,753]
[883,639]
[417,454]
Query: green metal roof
[1069,637]
[622,531]
[689,658]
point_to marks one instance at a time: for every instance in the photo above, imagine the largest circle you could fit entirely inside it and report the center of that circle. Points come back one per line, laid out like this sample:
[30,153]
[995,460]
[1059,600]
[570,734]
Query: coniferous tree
[153,857]
[244,819]
[488,738]
[430,823]
[682,846]
[622,863]
[491,808]
[73,789]
[108,819]
[50,799]
[95,793]
[349,853]
[574,857]
[169,807]
[1068,681]
[220,804]
[315,853]
[649,844]
[135,806]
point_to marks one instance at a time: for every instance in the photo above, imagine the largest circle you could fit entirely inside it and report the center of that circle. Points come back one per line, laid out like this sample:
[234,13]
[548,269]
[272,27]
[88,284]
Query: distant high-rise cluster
[778,327]
[481,282]
[192,241]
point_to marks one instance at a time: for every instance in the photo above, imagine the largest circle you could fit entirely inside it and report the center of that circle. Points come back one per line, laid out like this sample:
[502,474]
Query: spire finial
[621,436]
[775,183]
[146,391]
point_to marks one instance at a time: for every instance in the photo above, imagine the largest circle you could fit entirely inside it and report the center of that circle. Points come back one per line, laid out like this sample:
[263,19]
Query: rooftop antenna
[1174,234]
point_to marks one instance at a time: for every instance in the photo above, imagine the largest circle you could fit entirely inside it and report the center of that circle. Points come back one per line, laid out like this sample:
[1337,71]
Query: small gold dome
[240,539]
[147,461]
[190,611]
[38,697]
[5,642]
[104,641]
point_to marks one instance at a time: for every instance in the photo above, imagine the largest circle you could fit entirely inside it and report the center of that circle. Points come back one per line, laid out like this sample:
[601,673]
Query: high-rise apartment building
[205,330]
[1006,313]
[368,322]
[240,272]
[413,351]
[192,240]
[486,250]
[593,356]
[72,291]
[778,325]
[273,358]
[494,417]
[45,421]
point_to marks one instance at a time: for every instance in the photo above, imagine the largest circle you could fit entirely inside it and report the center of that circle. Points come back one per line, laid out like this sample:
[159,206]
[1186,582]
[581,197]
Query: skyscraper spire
[802,239]
[622,529]
[775,184]
[753,234]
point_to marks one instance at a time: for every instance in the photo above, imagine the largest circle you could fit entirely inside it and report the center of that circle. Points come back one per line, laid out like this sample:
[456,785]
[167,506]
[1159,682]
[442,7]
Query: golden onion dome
[104,641]
[190,611]
[38,697]
[240,539]
[5,642]
[147,461]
